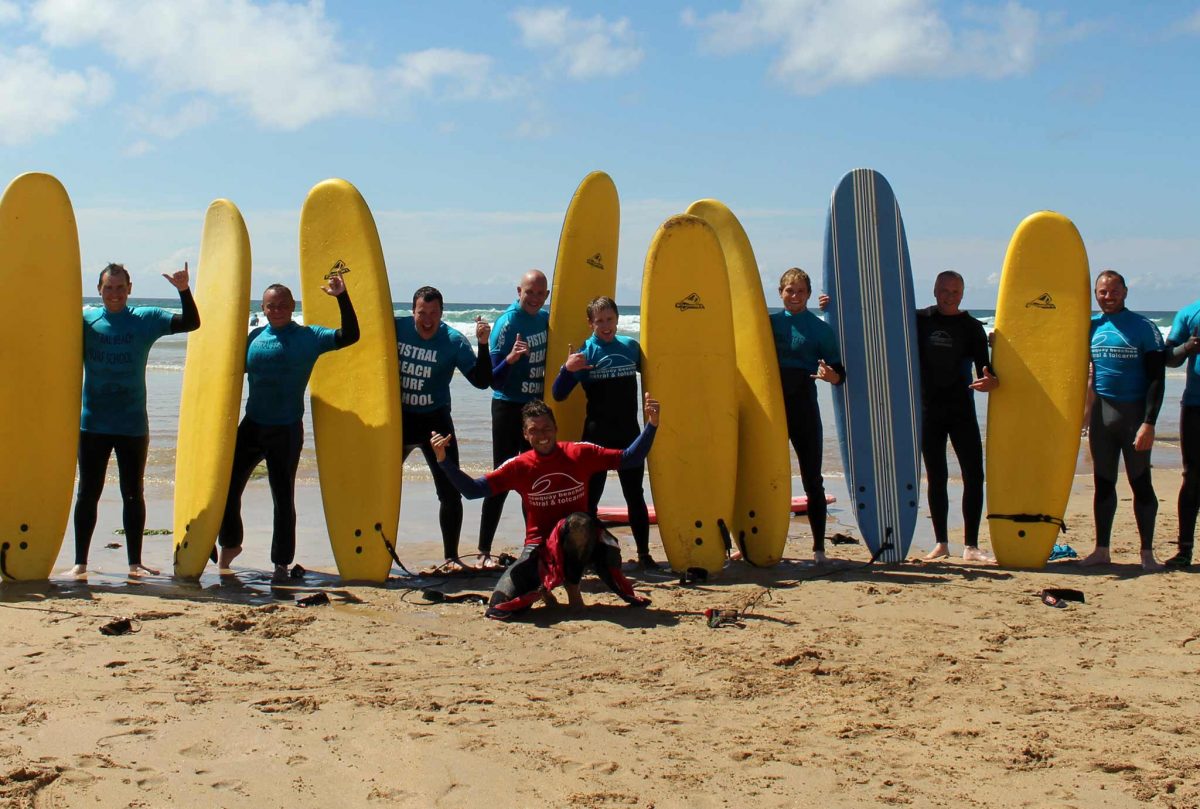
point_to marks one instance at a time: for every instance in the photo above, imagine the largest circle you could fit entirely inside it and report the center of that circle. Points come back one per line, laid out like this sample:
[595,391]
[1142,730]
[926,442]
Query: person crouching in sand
[561,538]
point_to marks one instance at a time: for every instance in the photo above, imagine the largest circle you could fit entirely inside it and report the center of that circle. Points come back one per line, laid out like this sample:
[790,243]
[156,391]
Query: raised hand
[520,349]
[651,409]
[179,278]
[483,330]
[439,444]
[337,285]
[575,360]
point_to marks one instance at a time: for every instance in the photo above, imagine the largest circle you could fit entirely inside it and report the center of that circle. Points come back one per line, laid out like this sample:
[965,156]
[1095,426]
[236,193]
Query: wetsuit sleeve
[635,454]
[348,334]
[470,488]
[499,369]
[564,383]
[1155,363]
[831,353]
[190,319]
[480,373]
[979,351]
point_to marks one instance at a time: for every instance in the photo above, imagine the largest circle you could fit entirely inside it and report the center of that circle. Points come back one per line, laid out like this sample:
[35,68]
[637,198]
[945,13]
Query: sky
[468,125]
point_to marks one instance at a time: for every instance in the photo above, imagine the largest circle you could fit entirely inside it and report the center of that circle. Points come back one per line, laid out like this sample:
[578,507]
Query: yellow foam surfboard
[689,366]
[41,361]
[355,392]
[1040,354]
[762,497]
[586,268]
[211,399]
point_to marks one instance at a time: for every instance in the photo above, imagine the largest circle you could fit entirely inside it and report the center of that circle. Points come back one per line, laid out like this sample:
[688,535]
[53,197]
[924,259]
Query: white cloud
[280,62]
[823,44]
[449,72]
[191,115]
[10,12]
[36,98]
[585,48]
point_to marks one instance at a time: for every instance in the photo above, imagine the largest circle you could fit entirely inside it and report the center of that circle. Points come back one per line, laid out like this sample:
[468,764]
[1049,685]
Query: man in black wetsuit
[950,341]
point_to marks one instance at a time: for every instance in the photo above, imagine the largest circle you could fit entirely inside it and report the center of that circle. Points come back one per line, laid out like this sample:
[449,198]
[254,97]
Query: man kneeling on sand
[561,539]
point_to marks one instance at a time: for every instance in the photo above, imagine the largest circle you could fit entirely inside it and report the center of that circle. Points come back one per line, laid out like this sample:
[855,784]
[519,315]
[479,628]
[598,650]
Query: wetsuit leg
[935,429]
[1137,471]
[94,451]
[968,448]
[596,484]
[518,578]
[450,507]
[635,503]
[131,469]
[508,441]
[1104,440]
[247,454]
[1189,491]
[808,440]
[283,445]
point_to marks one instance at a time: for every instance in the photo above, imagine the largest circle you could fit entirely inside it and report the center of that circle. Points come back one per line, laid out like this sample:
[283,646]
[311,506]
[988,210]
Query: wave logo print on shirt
[596,261]
[1043,301]
[1111,344]
[613,366]
[690,302]
[554,489]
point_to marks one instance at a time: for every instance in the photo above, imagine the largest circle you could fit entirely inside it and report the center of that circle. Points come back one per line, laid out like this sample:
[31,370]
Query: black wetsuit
[94,451]
[611,421]
[279,445]
[949,345]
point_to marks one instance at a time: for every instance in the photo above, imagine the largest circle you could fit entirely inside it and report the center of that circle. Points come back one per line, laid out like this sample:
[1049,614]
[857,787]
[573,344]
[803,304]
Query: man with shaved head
[518,352]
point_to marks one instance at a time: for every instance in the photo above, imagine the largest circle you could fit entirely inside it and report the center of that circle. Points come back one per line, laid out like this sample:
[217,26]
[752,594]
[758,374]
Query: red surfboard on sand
[619,515]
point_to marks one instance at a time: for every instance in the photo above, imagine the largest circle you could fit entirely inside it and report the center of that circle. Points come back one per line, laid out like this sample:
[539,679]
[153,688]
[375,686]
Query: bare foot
[819,558]
[79,572]
[280,576]
[225,559]
[974,554]
[139,570]
[1100,556]
[549,600]
[489,562]
[940,551]
[735,555]
[1150,564]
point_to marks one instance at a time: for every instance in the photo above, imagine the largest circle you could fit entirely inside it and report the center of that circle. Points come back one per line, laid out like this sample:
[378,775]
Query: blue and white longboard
[878,408]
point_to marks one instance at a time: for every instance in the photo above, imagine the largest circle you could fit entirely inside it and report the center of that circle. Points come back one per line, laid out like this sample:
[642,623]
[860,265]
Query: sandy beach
[939,684]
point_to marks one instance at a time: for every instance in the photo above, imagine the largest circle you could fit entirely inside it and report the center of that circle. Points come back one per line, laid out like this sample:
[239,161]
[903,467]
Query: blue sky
[468,125]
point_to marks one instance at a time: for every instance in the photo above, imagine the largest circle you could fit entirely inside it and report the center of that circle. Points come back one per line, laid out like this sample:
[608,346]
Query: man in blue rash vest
[607,366]
[518,354]
[561,539]
[949,342]
[429,351]
[1184,345]
[807,350]
[1128,368]
[116,346]
[279,360]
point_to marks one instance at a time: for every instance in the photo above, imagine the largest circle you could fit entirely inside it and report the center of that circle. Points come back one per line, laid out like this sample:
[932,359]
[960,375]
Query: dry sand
[942,684]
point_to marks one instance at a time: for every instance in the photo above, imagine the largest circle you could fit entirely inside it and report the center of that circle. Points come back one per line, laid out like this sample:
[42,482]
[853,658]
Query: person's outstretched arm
[470,488]
[189,320]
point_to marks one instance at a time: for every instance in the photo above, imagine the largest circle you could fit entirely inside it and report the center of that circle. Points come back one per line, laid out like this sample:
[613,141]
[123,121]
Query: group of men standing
[1128,353]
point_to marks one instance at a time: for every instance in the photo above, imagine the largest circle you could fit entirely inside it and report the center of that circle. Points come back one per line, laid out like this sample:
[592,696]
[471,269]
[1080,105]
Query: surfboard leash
[391,549]
[1030,518]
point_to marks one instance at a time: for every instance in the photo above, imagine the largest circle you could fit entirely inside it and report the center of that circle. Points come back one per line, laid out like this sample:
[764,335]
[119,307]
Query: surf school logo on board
[339,268]
[1043,301]
[596,261]
[690,302]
